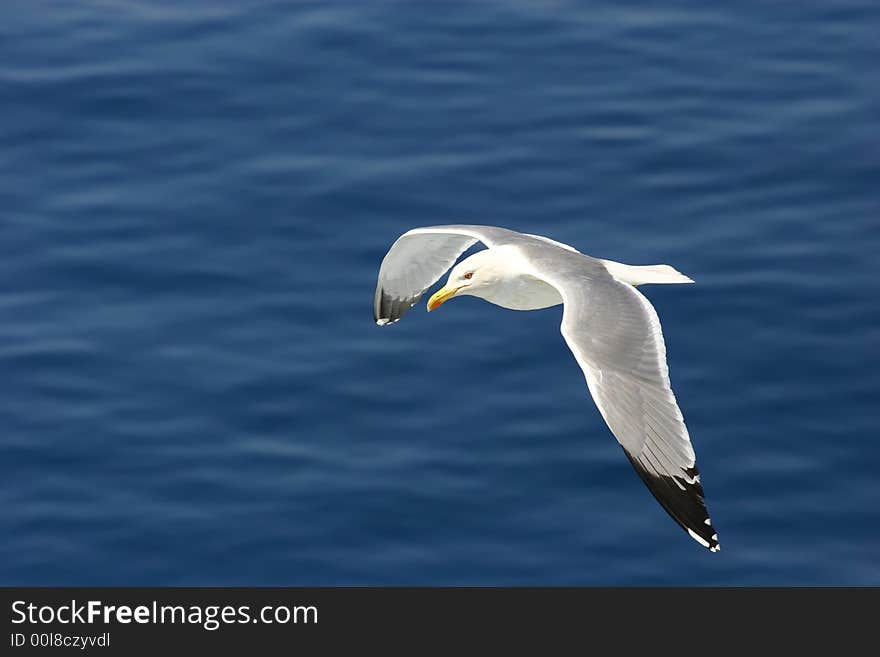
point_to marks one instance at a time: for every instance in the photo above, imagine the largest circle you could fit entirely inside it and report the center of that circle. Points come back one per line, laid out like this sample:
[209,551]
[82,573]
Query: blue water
[194,201]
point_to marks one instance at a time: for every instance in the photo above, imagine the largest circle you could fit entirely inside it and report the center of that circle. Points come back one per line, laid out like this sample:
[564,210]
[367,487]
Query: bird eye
[469,275]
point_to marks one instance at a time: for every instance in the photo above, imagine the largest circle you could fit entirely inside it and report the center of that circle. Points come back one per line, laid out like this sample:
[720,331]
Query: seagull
[610,327]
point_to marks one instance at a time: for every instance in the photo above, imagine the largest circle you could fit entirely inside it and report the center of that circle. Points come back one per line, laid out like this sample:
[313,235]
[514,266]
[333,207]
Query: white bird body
[610,327]
[505,280]
[515,287]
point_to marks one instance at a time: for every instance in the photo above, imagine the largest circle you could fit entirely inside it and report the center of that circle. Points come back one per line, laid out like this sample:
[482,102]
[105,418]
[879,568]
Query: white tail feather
[642,274]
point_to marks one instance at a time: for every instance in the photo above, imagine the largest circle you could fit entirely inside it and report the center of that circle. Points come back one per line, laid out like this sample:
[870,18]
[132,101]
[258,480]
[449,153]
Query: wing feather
[418,259]
[615,335]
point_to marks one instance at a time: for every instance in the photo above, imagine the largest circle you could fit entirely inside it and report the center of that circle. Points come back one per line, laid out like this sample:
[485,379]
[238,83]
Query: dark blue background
[194,201]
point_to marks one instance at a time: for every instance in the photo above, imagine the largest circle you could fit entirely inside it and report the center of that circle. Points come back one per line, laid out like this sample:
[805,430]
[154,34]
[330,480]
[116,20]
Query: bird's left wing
[614,333]
[418,259]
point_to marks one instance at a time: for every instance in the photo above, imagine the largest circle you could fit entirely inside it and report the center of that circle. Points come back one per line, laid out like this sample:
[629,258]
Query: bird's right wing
[418,259]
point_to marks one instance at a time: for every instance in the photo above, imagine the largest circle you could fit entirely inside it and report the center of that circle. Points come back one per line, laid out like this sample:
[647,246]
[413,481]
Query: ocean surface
[194,201]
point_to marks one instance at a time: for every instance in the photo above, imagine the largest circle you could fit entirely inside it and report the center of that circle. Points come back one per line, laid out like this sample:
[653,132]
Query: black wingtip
[683,499]
[388,309]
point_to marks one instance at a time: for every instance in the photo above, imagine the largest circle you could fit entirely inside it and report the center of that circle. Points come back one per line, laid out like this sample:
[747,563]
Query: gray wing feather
[419,258]
[615,335]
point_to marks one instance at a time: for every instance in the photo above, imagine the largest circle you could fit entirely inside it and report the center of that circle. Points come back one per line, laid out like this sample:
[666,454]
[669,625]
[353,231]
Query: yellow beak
[441,296]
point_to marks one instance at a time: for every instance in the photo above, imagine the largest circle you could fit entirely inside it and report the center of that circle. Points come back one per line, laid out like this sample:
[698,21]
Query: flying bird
[610,327]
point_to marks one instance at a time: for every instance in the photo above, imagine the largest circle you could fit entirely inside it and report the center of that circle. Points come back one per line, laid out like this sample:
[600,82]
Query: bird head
[472,276]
